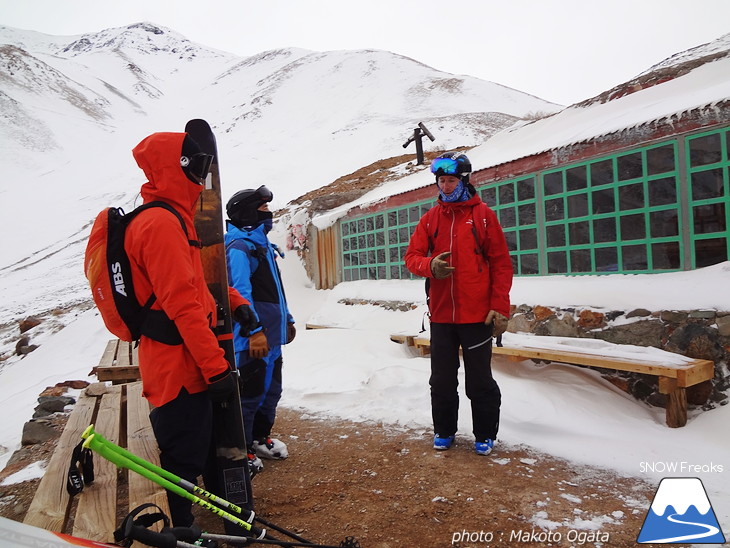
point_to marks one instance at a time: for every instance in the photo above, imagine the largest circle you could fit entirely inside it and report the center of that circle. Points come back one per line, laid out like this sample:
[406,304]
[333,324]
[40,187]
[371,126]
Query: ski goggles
[197,165]
[263,195]
[445,166]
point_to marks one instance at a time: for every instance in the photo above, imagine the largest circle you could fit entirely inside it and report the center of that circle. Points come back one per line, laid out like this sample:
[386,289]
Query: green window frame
[708,165]
[373,247]
[515,203]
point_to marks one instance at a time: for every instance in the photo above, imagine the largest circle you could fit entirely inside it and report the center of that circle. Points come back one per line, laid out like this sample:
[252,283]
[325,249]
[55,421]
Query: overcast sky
[560,50]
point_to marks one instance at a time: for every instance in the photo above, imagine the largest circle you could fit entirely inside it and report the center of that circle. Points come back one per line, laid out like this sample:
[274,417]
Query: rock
[23,346]
[96,389]
[28,323]
[673,316]
[696,341]
[542,313]
[723,325]
[76,385]
[639,313]
[554,327]
[703,314]
[699,394]
[35,431]
[641,333]
[520,323]
[589,319]
[51,404]
[53,391]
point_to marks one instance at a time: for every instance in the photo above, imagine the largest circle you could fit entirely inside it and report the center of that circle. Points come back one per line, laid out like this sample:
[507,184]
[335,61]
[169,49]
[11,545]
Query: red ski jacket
[165,263]
[483,276]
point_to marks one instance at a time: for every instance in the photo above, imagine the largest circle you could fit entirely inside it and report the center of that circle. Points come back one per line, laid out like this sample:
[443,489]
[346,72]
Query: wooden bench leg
[676,402]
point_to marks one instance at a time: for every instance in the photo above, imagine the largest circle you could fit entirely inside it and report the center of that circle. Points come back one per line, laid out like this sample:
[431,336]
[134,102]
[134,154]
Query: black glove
[222,386]
[246,318]
[291,332]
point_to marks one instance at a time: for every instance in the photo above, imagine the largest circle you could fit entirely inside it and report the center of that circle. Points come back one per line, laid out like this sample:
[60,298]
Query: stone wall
[702,334]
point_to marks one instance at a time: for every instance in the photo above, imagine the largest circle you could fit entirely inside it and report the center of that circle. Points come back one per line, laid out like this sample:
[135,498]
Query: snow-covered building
[636,180]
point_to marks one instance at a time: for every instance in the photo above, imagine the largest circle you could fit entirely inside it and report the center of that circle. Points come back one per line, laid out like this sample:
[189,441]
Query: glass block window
[373,247]
[612,214]
[515,203]
[709,198]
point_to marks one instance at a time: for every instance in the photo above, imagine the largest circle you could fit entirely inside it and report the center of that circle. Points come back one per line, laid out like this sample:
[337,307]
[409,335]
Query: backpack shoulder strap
[254,252]
[168,207]
[431,218]
[479,227]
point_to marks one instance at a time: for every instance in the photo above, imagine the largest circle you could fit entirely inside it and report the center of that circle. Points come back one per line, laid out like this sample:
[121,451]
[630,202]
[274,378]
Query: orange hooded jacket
[165,263]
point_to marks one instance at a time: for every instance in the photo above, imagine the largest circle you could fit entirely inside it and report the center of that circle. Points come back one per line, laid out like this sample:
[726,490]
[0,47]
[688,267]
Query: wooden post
[676,401]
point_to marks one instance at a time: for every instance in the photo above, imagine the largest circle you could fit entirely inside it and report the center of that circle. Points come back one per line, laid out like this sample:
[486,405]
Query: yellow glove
[258,345]
[500,322]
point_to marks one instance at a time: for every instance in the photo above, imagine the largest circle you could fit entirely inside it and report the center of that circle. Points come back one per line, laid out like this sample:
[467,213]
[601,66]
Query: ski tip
[88,432]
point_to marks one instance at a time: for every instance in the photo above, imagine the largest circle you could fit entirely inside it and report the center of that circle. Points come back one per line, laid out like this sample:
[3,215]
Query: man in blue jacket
[258,339]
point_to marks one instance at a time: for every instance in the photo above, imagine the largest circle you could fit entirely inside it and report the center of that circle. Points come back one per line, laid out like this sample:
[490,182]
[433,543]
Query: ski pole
[349,542]
[98,446]
[184,484]
[177,480]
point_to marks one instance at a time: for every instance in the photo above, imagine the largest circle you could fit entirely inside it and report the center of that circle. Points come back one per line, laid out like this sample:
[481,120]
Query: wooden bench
[121,415]
[119,363]
[672,380]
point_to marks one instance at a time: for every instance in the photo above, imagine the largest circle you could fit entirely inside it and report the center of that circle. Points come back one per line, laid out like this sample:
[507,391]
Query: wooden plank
[124,355]
[141,442]
[118,374]
[110,353]
[701,370]
[95,517]
[49,506]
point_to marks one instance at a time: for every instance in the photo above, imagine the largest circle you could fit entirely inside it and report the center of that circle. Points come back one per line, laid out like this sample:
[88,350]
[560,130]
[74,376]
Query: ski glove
[500,323]
[246,317]
[222,386]
[291,332]
[258,345]
[440,268]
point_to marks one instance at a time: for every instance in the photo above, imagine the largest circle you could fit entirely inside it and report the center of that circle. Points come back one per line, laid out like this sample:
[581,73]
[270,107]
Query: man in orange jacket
[459,246]
[179,379]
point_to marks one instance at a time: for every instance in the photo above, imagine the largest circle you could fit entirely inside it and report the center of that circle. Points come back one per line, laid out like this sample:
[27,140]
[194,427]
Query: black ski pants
[183,428]
[475,341]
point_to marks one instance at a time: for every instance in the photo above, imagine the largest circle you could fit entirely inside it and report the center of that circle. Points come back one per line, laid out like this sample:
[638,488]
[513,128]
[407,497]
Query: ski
[14,533]
[232,479]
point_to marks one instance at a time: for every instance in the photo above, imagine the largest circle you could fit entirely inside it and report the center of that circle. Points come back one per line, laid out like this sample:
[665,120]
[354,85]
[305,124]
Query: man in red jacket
[460,248]
[182,375]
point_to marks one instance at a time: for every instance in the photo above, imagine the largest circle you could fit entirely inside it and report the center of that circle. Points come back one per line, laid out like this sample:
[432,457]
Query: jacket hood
[158,155]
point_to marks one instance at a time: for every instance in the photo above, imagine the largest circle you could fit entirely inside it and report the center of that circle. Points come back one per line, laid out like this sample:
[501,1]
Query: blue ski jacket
[253,271]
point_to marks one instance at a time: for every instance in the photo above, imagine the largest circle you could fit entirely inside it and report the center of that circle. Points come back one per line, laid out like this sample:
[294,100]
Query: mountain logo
[681,512]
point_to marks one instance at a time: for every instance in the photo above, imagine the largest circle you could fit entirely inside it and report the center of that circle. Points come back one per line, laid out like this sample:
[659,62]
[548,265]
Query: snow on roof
[704,87]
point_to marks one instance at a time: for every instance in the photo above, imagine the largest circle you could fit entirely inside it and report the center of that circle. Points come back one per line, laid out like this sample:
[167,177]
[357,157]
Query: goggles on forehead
[197,165]
[445,166]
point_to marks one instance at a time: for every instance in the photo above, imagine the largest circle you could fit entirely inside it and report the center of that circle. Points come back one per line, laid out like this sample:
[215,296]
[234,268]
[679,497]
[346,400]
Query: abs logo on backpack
[118,278]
